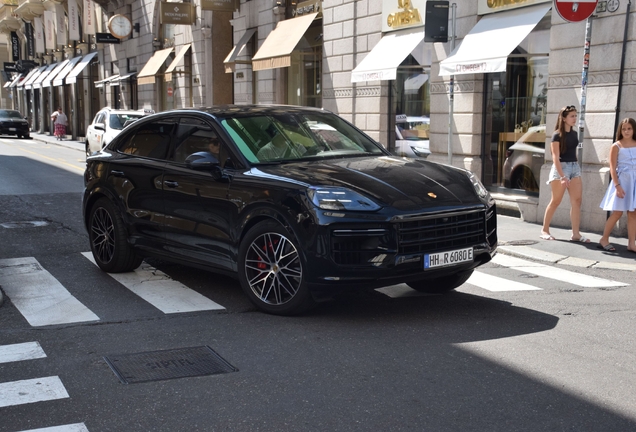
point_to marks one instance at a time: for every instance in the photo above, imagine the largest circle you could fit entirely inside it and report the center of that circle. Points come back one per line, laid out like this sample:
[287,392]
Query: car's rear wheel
[271,270]
[524,179]
[88,150]
[109,239]
[442,284]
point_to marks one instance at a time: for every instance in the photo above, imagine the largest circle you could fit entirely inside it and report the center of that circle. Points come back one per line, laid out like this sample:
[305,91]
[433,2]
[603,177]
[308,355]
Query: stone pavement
[516,238]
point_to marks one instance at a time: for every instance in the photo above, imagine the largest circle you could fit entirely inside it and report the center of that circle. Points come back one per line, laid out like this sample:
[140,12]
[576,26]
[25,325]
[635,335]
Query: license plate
[443,259]
[12,129]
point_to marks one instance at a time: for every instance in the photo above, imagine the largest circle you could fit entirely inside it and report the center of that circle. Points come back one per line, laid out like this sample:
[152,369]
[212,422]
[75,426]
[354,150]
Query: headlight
[335,198]
[479,188]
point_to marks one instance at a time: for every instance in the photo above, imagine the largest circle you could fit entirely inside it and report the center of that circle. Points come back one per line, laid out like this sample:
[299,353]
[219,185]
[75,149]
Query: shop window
[305,72]
[411,109]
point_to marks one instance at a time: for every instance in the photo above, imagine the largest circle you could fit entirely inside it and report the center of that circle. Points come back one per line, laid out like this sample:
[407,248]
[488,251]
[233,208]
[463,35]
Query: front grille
[442,231]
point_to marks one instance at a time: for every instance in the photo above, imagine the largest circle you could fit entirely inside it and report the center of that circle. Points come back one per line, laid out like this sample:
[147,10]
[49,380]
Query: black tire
[442,284]
[524,179]
[271,270]
[109,239]
[88,151]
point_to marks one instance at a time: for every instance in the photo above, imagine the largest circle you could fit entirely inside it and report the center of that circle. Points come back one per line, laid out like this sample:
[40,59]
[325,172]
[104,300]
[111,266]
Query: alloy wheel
[103,235]
[273,269]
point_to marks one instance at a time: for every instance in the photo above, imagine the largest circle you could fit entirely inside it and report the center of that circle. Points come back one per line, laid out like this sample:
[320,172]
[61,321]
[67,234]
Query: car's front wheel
[442,284]
[109,239]
[271,270]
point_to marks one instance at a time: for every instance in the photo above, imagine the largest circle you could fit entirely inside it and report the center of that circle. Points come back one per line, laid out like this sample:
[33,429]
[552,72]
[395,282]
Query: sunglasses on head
[569,108]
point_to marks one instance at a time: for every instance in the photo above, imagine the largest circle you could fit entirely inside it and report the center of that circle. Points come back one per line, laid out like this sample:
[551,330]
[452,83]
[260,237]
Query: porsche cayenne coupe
[296,203]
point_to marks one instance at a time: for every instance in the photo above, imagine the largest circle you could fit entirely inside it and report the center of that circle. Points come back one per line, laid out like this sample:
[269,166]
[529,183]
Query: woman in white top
[60,121]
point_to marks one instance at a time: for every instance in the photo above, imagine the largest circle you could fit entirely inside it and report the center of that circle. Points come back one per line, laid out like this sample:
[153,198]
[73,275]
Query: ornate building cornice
[359,92]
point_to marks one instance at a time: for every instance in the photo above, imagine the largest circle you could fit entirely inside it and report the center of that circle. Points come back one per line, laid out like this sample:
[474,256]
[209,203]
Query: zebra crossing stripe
[555,273]
[76,427]
[32,390]
[39,297]
[495,283]
[21,351]
[161,291]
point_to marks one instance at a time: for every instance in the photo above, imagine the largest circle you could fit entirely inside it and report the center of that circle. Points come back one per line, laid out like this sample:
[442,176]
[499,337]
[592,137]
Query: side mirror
[205,161]
[100,126]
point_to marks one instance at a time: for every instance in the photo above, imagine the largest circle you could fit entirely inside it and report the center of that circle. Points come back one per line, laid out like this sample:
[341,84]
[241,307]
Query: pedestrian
[565,174]
[59,121]
[621,193]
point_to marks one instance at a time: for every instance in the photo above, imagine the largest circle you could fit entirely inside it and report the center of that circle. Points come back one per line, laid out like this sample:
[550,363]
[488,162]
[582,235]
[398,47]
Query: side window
[195,135]
[152,140]
[99,118]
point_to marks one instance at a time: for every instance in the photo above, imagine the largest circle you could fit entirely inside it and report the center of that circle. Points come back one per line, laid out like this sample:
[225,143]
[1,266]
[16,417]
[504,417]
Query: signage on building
[73,20]
[400,14]
[575,11]
[220,5]
[89,17]
[489,6]
[30,41]
[177,13]
[307,7]
[10,67]
[106,38]
[15,46]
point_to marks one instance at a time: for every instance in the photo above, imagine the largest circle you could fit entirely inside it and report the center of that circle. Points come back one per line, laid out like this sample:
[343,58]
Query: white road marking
[39,297]
[161,291]
[21,351]
[77,427]
[555,273]
[32,390]
[495,283]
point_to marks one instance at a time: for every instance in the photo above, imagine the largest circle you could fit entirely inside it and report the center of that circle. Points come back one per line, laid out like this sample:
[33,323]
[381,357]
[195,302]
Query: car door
[93,135]
[135,174]
[198,223]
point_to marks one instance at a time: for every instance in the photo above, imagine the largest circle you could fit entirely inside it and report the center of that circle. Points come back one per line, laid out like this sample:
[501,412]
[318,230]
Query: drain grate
[167,364]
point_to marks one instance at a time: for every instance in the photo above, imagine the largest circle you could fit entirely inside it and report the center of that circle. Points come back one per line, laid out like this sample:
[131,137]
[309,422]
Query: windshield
[117,121]
[413,128]
[10,114]
[298,136]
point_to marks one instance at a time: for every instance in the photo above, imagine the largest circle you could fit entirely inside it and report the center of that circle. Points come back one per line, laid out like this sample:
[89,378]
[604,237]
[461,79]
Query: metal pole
[451,90]
[586,62]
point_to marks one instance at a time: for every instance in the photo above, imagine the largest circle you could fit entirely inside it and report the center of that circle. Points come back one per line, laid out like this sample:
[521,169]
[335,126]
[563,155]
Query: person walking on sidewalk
[621,193]
[59,121]
[565,174]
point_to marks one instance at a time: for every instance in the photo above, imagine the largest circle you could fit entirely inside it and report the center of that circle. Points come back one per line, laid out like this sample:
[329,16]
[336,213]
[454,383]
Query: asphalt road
[553,355]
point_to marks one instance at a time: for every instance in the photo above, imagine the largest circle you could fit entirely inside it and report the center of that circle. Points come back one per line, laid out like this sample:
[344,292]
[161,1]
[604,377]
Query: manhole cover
[168,364]
[25,224]
[518,243]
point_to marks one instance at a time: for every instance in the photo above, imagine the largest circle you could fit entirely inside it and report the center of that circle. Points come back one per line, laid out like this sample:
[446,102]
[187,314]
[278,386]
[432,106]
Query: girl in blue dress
[621,194]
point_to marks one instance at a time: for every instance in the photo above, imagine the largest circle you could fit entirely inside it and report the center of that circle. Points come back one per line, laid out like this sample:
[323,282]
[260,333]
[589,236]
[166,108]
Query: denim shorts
[570,170]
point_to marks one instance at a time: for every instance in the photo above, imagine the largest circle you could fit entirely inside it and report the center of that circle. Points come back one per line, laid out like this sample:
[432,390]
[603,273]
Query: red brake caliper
[261,265]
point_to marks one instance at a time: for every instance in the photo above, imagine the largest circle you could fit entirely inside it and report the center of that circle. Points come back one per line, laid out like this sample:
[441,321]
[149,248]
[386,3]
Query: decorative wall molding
[460,87]
[359,92]
[243,98]
[268,97]
[594,79]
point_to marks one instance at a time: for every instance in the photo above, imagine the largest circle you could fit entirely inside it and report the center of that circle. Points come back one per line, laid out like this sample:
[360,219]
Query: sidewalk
[518,238]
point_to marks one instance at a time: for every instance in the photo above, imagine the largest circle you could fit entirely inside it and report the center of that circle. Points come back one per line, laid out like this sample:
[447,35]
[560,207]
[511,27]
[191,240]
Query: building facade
[485,98]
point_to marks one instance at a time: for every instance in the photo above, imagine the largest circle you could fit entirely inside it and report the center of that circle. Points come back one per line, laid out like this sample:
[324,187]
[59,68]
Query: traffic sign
[575,11]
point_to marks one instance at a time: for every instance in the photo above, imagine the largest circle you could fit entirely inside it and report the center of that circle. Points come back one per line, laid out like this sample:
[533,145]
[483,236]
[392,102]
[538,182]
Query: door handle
[118,173]
[171,184]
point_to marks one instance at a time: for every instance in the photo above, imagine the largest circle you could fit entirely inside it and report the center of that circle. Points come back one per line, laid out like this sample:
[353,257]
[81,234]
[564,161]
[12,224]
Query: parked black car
[13,123]
[295,202]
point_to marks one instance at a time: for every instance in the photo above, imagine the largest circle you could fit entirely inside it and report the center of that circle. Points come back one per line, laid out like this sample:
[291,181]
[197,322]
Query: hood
[405,184]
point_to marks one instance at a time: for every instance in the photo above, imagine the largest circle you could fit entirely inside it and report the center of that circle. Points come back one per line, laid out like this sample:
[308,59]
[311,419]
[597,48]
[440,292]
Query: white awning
[150,69]
[29,84]
[46,82]
[278,46]
[7,84]
[38,82]
[116,80]
[383,60]
[100,84]
[230,60]
[26,78]
[73,74]
[180,55]
[59,78]
[487,47]
[16,80]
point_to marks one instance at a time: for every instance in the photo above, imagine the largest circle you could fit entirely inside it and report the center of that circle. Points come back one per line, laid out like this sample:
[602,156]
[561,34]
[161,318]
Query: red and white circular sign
[574,11]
